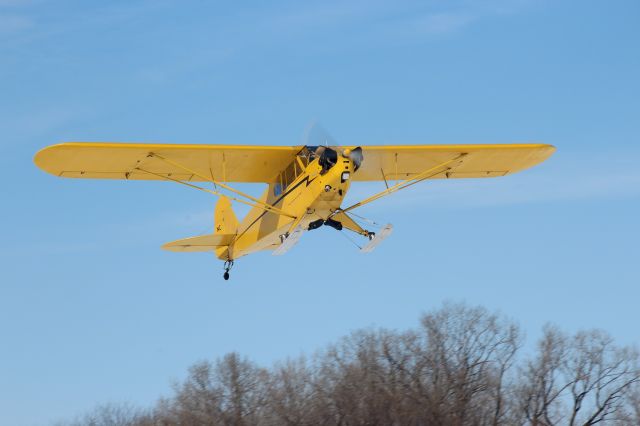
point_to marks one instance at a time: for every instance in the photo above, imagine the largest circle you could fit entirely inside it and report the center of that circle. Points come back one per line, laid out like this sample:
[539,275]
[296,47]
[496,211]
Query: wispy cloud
[29,21]
[435,19]
[355,24]
[439,23]
[535,188]
[424,26]
[582,179]
[214,38]
[38,122]
[46,248]
[10,24]
[14,3]
[14,19]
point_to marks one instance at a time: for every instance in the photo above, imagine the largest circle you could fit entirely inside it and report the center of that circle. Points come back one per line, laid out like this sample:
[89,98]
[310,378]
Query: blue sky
[91,310]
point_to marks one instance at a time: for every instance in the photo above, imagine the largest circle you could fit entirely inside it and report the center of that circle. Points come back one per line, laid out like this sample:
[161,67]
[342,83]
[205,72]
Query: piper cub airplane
[306,184]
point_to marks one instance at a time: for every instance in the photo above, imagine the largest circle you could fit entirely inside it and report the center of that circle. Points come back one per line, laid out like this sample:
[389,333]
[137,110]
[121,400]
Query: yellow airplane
[306,184]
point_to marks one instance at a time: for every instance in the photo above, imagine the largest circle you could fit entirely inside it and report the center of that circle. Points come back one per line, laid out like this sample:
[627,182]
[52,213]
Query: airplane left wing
[192,163]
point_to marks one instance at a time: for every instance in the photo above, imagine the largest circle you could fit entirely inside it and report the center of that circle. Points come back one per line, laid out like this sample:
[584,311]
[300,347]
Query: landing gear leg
[227,267]
[283,237]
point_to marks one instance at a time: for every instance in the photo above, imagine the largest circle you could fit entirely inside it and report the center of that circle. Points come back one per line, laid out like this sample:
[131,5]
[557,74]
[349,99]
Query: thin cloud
[435,19]
[583,179]
[432,24]
[14,3]
[441,23]
[75,20]
[33,124]
[47,248]
[10,24]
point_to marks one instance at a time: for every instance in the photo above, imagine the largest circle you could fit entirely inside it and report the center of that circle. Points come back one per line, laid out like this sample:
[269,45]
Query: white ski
[288,242]
[377,239]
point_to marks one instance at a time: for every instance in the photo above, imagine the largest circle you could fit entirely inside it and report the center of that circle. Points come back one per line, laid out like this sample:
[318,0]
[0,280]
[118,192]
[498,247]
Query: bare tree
[540,390]
[599,377]
[110,414]
[231,392]
[584,379]
[354,380]
[634,406]
[241,386]
[459,368]
[467,355]
[290,396]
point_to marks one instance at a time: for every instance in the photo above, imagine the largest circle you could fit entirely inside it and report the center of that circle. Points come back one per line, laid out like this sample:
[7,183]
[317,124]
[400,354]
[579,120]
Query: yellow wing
[404,161]
[225,163]
[247,163]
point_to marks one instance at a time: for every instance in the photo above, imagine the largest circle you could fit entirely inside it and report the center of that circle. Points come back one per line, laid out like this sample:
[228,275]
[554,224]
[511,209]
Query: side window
[289,174]
[286,178]
[277,189]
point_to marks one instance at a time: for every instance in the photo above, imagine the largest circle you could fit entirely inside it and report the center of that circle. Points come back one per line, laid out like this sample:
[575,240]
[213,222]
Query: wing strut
[433,171]
[266,207]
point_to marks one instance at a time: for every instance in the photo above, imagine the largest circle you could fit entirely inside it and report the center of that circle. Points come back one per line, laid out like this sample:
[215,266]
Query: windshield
[327,157]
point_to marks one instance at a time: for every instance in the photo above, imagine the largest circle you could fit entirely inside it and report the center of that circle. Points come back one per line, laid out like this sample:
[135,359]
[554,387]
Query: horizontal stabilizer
[208,242]
[289,242]
[377,239]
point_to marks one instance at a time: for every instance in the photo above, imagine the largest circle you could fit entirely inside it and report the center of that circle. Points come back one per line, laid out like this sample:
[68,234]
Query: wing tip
[44,157]
[40,158]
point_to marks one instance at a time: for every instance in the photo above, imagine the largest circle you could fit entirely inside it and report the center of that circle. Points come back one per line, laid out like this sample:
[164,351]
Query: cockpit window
[307,154]
[327,158]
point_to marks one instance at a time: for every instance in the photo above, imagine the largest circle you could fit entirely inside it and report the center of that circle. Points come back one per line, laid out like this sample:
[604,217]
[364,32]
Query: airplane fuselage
[309,192]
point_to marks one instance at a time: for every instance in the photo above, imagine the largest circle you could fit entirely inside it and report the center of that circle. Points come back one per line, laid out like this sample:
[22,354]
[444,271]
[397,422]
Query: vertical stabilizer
[224,219]
[224,222]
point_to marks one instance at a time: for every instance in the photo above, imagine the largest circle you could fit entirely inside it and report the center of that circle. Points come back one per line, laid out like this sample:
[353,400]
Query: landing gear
[283,237]
[329,222]
[316,224]
[334,224]
[228,264]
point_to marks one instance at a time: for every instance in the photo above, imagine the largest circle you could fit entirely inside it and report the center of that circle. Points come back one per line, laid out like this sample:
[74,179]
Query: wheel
[226,275]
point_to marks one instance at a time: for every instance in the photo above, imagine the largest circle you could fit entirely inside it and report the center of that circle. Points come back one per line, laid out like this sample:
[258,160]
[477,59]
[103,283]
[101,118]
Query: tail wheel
[227,267]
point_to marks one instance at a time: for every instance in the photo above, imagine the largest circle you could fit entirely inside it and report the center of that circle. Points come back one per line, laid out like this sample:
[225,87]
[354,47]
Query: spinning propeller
[354,155]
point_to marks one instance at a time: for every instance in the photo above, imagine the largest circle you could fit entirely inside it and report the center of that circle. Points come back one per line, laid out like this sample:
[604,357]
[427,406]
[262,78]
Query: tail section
[225,222]
[224,219]
[220,242]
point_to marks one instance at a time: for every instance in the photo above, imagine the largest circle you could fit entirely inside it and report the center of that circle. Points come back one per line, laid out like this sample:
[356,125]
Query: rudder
[224,222]
[224,219]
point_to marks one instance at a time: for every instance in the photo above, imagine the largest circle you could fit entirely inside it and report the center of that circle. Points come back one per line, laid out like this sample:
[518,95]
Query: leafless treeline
[462,366]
